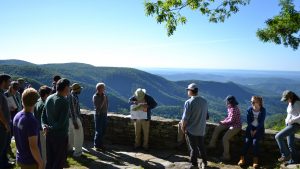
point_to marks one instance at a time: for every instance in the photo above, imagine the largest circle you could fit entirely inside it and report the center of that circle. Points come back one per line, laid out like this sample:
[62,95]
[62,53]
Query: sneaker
[283,159]
[203,165]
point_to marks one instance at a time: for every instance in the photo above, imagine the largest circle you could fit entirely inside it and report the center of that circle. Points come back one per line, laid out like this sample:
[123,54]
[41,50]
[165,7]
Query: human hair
[56,78]
[100,85]
[62,84]
[29,97]
[44,90]
[294,98]
[259,100]
[231,100]
[4,78]
[194,91]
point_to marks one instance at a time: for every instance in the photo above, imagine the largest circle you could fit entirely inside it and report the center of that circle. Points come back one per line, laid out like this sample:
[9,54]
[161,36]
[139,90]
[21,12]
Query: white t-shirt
[293,112]
[255,121]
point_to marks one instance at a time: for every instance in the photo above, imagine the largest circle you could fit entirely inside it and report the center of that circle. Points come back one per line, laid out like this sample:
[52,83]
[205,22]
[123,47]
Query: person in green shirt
[44,92]
[55,123]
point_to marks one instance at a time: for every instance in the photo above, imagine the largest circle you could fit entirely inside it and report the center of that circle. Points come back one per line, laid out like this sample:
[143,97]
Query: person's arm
[296,107]
[249,118]
[3,120]
[33,145]
[151,103]
[232,116]
[185,116]
[262,118]
[132,100]
[73,111]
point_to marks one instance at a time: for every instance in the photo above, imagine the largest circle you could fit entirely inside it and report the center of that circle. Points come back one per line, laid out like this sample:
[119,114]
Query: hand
[45,129]
[253,133]
[290,121]
[41,165]
[76,126]
[7,127]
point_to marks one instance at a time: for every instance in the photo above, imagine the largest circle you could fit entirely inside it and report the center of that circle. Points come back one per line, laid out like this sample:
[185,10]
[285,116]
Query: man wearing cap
[55,124]
[193,124]
[148,103]
[75,125]
[100,102]
[5,81]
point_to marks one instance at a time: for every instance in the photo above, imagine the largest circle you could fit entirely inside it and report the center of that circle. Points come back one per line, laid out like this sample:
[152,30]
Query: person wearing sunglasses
[255,130]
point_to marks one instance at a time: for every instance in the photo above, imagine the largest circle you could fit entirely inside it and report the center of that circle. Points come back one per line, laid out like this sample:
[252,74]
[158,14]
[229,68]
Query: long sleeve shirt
[233,118]
[293,113]
[56,115]
[151,103]
[260,119]
[74,107]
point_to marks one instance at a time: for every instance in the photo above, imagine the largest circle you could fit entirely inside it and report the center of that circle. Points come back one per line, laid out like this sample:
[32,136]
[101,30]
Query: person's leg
[247,143]
[138,130]
[291,144]
[71,135]
[60,149]
[78,139]
[146,127]
[255,144]
[50,151]
[5,160]
[24,166]
[194,151]
[3,141]
[288,130]
[215,135]
[43,146]
[103,128]
[202,150]
[97,131]
[226,138]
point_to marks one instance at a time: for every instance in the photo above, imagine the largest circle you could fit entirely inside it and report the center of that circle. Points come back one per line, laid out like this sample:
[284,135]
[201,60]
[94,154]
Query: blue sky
[117,33]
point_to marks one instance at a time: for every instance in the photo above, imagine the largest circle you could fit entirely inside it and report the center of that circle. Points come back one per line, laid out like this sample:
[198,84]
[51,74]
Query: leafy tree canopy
[281,29]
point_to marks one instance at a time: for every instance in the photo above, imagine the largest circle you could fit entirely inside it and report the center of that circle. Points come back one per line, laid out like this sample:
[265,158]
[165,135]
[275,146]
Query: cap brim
[283,99]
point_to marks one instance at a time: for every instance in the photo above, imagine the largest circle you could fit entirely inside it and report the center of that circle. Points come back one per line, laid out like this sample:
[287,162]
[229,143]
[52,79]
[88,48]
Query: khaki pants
[139,126]
[226,138]
[43,146]
[24,166]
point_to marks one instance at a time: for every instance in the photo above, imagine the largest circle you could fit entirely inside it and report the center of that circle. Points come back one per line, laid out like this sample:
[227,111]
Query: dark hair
[195,91]
[56,78]
[4,77]
[231,100]
[294,98]
[62,84]
[44,90]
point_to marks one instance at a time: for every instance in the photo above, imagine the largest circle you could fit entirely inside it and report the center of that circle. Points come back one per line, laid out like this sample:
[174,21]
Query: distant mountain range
[122,82]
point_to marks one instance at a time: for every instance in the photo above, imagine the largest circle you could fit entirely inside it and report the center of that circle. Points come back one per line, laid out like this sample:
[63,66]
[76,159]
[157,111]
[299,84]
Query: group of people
[193,125]
[46,124]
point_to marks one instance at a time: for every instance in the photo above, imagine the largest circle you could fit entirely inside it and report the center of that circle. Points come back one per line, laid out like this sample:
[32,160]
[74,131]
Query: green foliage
[283,28]
[169,11]
[275,122]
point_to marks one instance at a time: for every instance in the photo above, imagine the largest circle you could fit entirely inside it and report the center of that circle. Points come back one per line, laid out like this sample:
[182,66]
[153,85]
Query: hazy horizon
[118,34]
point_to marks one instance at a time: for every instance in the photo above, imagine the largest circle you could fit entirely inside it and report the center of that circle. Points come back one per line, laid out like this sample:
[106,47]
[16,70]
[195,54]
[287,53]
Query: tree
[281,29]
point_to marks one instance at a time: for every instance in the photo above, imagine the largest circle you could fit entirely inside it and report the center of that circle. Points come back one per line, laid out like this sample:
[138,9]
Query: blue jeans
[289,133]
[254,141]
[100,127]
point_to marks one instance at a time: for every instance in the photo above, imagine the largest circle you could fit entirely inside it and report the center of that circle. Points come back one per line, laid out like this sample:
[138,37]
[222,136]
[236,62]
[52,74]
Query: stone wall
[163,133]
